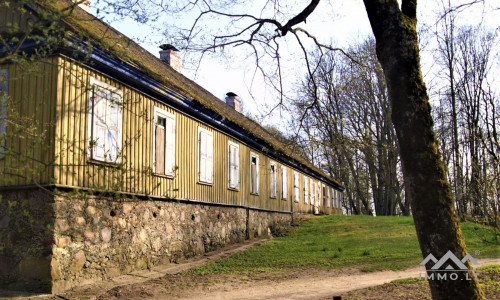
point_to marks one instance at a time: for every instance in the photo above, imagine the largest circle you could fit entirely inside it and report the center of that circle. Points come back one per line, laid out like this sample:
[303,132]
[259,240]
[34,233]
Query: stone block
[126,208]
[89,235]
[168,228]
[61,225]
[80,221]
[63,241]
[78,262]
[106,234]
[55,270]
[91,210]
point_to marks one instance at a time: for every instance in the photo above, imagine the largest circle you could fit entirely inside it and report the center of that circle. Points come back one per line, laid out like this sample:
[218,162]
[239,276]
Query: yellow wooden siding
[135,175]
[31,91]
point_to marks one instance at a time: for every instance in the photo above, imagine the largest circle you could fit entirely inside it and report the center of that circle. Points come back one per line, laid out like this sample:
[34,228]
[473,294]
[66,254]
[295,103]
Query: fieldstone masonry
[79,239]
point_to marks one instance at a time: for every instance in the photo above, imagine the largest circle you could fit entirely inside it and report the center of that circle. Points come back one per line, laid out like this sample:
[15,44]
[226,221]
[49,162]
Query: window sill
[255,194]
[272,197]
[164,176]
[205,183]
[237,189]
[103,163]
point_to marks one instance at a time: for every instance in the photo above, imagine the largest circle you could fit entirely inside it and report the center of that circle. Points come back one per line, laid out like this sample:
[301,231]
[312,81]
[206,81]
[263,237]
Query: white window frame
[205,176]
[233,171]
[108,154]
[4,94]
[169,168]
[306,189]
[312,189]
[284,183]
[296,186]
[323,193]
[273,189]
[257,185]
[328,198]
[319,193]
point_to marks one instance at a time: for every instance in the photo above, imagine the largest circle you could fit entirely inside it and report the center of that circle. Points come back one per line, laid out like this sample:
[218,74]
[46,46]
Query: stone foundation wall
[265,223]
[89,238]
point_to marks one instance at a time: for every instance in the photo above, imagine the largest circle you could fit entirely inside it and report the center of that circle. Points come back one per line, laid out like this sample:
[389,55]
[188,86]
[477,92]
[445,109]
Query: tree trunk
[436,222]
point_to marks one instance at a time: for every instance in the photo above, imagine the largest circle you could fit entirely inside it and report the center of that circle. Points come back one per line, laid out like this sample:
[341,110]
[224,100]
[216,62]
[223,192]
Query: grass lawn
[357,242]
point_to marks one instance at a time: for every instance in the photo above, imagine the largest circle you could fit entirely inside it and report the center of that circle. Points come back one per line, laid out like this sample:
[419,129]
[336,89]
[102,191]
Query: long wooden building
[113,161]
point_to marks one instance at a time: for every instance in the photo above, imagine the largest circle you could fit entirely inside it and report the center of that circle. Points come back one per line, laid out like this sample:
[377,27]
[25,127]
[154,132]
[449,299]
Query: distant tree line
[347,129]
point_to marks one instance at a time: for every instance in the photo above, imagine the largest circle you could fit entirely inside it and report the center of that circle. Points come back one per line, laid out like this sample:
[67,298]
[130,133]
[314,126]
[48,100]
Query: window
[4,90]
[306,190]
[318,191]
[163,142]
[296,189]
[234,165]
[272,180]
[254,173]
[334,196]
[284,183]
[328,198]
[313,192]
[205,155]
[105,122]
[323,191]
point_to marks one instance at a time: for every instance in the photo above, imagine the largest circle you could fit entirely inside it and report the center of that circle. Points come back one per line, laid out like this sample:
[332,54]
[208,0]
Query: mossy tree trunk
[436,222]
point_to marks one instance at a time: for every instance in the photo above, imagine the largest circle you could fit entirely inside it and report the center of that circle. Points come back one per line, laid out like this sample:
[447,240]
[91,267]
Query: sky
[338,22]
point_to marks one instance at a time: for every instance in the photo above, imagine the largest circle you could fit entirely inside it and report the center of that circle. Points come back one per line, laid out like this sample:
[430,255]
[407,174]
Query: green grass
[359,242]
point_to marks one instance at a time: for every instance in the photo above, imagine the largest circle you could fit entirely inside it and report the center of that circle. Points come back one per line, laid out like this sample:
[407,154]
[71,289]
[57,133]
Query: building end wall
[26,239]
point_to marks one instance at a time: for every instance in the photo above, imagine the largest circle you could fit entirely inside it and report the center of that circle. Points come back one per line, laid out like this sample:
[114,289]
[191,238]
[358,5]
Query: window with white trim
[163,142]
[273,180]
[233,153]
[284,183]
[313,192]
[105,122]
[254,173]
[328,198]
[296,188]
[306,190]
[4,92]
[323,193]
[318,191]
[334,196]
[205,156]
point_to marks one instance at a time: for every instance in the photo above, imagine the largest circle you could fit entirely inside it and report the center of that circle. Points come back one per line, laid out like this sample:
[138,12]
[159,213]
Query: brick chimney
[234,101]
[84,4]
[170,56]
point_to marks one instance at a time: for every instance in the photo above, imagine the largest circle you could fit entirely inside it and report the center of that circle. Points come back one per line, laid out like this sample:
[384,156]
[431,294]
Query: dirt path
[166,282]
[323,285]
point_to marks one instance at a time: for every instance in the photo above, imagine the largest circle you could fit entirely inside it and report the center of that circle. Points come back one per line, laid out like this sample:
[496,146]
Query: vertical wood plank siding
[30,114]
[58,97]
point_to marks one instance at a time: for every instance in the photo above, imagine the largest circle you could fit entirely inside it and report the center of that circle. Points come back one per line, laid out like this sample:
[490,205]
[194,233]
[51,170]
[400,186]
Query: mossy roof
[106,38]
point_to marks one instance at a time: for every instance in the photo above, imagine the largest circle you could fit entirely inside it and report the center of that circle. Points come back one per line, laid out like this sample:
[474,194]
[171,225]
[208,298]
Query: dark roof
[108,39]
